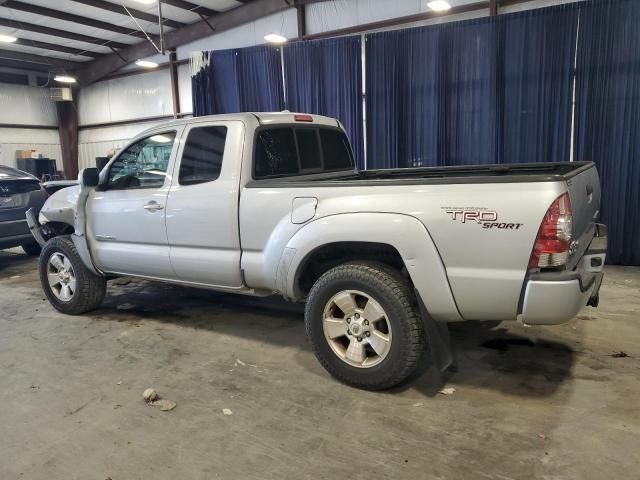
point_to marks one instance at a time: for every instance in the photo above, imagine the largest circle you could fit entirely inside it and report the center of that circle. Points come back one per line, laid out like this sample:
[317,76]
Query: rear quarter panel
[485,267]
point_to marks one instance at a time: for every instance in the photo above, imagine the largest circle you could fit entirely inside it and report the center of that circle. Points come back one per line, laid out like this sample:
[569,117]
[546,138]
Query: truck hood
[61,206]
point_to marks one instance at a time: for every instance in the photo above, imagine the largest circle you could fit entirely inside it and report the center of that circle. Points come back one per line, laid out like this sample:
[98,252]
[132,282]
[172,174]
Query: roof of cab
[264,118]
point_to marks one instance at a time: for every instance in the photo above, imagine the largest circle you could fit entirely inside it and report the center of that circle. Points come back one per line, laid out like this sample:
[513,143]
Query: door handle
[153,205]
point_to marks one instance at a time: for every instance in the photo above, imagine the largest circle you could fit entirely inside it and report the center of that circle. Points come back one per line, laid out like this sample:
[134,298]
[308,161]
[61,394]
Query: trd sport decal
[479,216]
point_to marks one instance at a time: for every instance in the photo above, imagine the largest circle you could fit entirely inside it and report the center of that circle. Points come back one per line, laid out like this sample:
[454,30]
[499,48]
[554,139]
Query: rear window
[15,187]
[286,151]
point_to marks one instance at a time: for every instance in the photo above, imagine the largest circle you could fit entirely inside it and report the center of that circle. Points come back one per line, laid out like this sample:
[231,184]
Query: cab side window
[143,164]
[202,155]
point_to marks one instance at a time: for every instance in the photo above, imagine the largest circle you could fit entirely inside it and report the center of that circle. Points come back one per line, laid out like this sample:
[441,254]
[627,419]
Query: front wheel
[364,325]
[70,286]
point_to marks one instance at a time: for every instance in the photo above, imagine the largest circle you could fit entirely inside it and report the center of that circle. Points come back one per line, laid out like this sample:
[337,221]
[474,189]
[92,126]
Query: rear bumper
[551,298]
[14,233]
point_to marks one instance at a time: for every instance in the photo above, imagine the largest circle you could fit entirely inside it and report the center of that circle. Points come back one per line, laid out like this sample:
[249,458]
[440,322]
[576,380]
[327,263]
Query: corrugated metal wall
[23,105]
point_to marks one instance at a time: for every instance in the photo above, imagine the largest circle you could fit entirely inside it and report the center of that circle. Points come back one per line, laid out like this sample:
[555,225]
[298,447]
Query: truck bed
[498,173]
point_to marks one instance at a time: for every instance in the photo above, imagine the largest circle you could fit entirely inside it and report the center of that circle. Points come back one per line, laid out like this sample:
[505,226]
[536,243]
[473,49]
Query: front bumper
[551,298]
[34,226]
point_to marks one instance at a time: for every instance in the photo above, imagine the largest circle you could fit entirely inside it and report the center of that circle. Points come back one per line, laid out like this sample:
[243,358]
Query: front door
[126,214]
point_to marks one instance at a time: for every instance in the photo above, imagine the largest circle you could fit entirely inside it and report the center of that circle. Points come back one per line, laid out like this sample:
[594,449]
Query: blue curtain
[431,95]
[404,108]
[537,54]
[324,77]
[202,101]
[608,116]
[481,91]
[239,80]
[260,79]
[468,87]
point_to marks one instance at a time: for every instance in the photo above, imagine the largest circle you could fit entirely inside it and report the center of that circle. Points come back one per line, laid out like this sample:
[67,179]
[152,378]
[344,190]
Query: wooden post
[68,130]
[175,91]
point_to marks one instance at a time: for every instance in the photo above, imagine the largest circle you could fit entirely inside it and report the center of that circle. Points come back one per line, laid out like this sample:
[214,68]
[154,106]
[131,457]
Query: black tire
[395,295]
[32,248]
[90,288]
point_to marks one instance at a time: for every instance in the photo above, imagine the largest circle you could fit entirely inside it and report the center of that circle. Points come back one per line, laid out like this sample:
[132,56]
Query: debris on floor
[447,391]
[226,411]
[164,404]
[14,277]
[149,395]
[240,362]
[418,404]
[119,382]
[619,354]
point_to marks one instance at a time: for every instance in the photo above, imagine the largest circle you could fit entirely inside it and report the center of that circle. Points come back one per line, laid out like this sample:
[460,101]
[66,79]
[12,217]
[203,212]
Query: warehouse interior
[414,84]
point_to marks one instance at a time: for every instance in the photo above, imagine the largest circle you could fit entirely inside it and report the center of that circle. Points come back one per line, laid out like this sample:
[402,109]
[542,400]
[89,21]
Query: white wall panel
[338,14]
[25,105]
[126,98]
[47,142]
[249,34]
[135,96]
[184,88]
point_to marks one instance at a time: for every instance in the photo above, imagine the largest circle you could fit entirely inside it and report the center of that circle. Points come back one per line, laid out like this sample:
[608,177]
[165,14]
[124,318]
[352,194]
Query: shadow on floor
[10,260]
[490,358]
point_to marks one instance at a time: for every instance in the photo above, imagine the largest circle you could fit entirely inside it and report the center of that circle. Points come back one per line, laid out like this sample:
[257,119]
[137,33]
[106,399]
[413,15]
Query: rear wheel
[70,286]
[364,325]
[31,248]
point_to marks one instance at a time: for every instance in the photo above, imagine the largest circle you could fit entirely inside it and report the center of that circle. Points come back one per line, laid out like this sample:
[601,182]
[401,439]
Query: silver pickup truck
[272,204]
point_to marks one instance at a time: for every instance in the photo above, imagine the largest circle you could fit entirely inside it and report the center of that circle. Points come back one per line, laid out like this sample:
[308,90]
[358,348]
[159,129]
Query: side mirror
[89,177]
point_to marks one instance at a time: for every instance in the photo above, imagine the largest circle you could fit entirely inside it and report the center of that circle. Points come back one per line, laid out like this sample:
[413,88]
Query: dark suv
[19,191]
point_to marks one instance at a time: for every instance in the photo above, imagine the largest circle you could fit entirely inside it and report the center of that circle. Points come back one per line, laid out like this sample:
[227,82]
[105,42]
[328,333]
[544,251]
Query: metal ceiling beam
[192,7]
[56,48]
[31,27]
[97,69]
[116,8]
[23,65]
[38,59]
[69,17]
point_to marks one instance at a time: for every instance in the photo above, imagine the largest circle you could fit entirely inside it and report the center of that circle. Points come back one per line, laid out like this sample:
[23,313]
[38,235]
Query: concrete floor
[530,402]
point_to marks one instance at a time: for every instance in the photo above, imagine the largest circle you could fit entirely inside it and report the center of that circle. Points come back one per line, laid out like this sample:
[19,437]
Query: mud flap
[438,338]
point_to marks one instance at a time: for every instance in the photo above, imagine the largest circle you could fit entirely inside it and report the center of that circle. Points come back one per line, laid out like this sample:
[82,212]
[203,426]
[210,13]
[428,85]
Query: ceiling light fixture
[148,2]
[439,5]
[275,38]
[64,79]
[7,38]
[146,64]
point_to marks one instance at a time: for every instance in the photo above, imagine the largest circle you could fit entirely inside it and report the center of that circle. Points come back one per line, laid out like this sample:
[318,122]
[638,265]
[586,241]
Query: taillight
[554,237]
[303,118]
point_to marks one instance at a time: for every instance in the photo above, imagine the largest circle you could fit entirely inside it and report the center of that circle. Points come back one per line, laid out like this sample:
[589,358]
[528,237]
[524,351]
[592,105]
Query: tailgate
[584,192]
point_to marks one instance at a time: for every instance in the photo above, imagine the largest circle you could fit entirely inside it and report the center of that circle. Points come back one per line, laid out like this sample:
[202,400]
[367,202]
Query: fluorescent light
[439,5]
[64,79]
[7,38]
[160,139]
[146,64]
[275,38]
[146,1]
